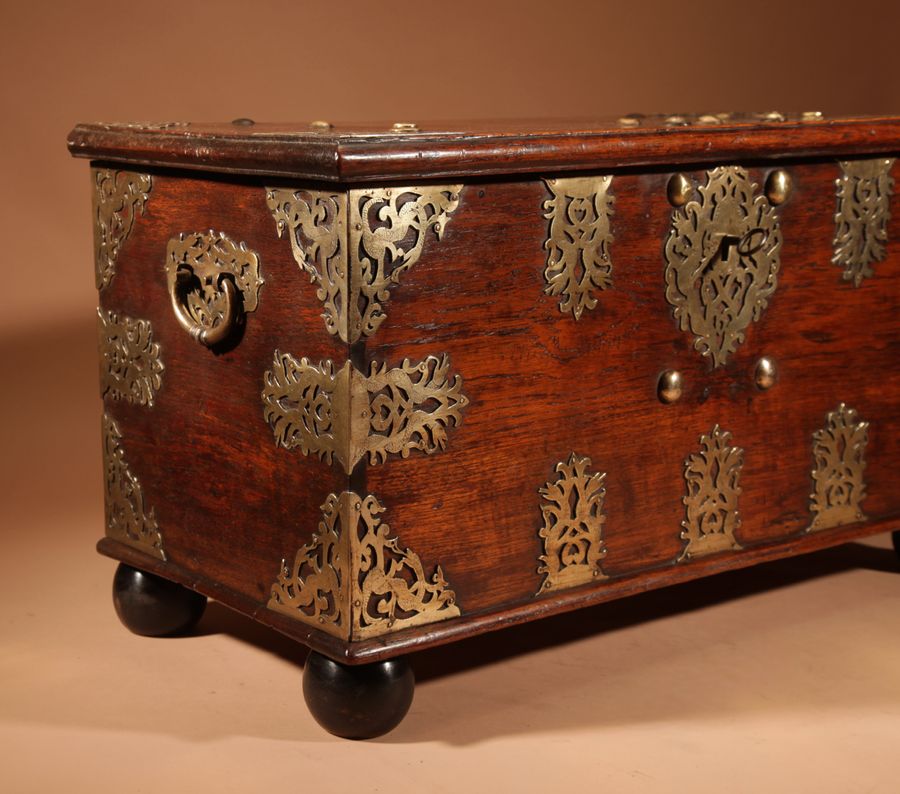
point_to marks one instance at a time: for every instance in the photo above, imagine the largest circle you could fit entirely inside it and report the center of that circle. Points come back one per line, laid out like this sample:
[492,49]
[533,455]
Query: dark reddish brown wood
[360,153]
[231,504]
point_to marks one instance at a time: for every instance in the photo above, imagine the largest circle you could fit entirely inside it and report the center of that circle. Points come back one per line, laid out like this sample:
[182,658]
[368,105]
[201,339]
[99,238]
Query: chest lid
[367,152]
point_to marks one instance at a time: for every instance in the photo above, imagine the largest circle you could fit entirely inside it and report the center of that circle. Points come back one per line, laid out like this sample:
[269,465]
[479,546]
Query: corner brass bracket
[344,415]
[128,519]
[839,450]
[864,192]
[353,579]
[117,198]
[355,245]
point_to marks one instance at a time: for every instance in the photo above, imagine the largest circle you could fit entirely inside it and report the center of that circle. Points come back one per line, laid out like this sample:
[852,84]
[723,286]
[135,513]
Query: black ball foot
[895,536]
[357,702]
[152,606]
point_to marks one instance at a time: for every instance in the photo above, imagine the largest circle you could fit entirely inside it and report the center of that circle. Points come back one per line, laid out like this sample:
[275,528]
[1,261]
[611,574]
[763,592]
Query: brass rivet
[766,373]
[812,115]
[242,122]
[679,190]
[404,126]
[631,120]
[669,388]
[778,186]
[708,119]
[677,120]
[320,125]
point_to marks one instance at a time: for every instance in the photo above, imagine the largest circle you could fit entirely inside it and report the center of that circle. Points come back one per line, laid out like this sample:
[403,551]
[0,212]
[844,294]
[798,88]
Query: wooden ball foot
[357,701]
[152,606]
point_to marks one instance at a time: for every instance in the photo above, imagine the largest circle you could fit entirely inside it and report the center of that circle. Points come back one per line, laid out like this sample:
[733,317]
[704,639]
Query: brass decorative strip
[130,365]
[864,192]
[127,518]
[722,259]
[572,507]
[839,485]
[578,259]
[199,267]
[353,579]
[117,198]
[712,479]
[385,230]
[345,415]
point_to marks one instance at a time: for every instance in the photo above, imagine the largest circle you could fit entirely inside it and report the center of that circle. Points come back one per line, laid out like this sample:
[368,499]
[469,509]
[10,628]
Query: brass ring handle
[213,335]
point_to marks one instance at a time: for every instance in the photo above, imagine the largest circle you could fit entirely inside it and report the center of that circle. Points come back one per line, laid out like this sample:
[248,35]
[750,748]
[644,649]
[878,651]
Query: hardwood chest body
[385,388]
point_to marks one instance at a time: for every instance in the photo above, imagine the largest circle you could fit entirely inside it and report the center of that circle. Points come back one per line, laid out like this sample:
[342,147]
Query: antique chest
[385,387]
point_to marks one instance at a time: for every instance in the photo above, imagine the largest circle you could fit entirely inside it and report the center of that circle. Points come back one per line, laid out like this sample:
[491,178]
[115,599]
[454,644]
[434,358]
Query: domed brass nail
[669,388]
[766,373]
[679,190]
[778,186]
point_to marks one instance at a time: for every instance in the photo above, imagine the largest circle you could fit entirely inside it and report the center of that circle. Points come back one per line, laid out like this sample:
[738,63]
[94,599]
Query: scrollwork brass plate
[578,259]
[127,518]
[572,507]
[386,229]
[353,579]
[839,485]
[722,260]
[864,192]
[345,415]
[712,479]
[117,199]
[130,364]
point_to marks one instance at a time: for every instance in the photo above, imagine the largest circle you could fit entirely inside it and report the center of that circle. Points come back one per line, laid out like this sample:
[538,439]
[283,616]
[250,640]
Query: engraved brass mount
[356,245]
[128,519]
[130,365]
[712,480]
[344,415]
[572,507]
[353,579]
[578,258]
[864,192]
[117,199]
[722,259]
[838,477]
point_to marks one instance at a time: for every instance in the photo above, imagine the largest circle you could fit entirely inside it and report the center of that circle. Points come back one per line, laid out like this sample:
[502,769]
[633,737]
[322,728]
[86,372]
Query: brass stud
[679,190]
[631,120]
[677,120]
[812,115]
[320,125]
[766,373]
[669,388]
[404,126]
[243,122]
[778,186]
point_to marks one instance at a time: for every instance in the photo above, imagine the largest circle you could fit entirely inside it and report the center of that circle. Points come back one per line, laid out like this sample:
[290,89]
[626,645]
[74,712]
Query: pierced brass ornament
[212,282]
[117,198]
[864,193]
[386,230]
[572,507]
[712,477]
[130,366]
[722,261]
[127,518]
[345,415]
[839,485]
[316,224]
[353,579]
[578,260]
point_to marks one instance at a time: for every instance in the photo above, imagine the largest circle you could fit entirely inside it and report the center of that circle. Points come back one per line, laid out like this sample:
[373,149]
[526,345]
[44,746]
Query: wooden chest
[382,388]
